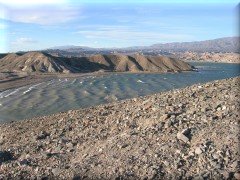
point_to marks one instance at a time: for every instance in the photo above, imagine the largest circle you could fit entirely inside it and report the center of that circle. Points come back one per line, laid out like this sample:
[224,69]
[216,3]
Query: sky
[40,24]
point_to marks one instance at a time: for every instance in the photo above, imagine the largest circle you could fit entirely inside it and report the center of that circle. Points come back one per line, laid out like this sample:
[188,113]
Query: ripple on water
[64,94]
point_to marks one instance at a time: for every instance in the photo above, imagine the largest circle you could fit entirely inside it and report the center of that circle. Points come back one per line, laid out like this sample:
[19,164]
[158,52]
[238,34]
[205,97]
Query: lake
[59,95]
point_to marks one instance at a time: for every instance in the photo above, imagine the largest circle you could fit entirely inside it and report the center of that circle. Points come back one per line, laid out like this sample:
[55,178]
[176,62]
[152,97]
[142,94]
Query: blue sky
[107,23]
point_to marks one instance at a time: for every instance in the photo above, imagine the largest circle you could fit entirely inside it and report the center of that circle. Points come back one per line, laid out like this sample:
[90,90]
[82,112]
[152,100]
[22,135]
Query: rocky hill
[228,44]
[45,63]
[32,62]
[209,56]
[138,62]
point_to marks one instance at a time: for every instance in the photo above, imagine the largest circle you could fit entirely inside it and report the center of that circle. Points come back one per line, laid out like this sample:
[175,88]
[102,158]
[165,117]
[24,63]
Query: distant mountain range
[72,47]
[227,44]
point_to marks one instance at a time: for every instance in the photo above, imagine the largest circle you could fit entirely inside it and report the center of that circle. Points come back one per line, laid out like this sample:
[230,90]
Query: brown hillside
[138,63]
[33,62]
[45,63]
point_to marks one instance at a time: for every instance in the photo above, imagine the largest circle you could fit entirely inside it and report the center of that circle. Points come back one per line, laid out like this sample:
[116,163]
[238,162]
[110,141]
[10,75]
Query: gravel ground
[190,133]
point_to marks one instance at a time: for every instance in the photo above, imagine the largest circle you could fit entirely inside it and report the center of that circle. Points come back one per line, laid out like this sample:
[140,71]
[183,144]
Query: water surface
[64,94]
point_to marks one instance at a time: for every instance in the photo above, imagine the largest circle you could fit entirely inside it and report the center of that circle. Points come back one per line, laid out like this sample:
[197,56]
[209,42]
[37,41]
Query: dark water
[64,94]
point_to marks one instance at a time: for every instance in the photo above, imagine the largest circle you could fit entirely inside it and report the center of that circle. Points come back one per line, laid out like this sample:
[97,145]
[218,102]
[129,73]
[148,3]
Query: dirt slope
[138,63]
[45,63]
[190,133]
[33,62]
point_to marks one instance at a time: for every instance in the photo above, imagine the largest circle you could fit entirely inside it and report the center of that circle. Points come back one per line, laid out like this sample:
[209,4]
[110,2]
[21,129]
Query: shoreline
[108,103]
[182,132]
[24,79]
[211,61]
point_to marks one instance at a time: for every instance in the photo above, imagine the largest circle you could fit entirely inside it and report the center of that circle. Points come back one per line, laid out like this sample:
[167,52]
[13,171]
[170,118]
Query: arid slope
[32,62]
[45,63]
[190,133]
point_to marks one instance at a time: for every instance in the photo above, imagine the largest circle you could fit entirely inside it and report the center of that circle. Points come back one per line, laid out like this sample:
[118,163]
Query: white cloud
[43,12]
[12,33]
[3,26]
[2,12]
[24,3]
[23,41]
[48,15]
[124,33]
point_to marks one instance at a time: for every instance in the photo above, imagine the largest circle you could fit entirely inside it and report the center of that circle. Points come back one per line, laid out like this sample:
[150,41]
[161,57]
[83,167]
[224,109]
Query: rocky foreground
[190,133]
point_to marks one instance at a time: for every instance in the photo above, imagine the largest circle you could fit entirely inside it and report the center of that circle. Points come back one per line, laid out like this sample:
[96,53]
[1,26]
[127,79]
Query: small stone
[69,145]
[168,124]
[213,163]
[46,154]
[56,171]
[23,162]
[42,135]
[182,137]
[226,174]
[163,117]
[198,150]
[124,146]
[224,107]
[190,153]
[178,151]
[151,173]
[215,156]
[62,141]
[85,155]
[166,163]
[237,175]
[228,153]
[235,164]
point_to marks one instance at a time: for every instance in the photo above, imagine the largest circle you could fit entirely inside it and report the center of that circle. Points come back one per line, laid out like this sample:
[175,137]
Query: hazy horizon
[107,24]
